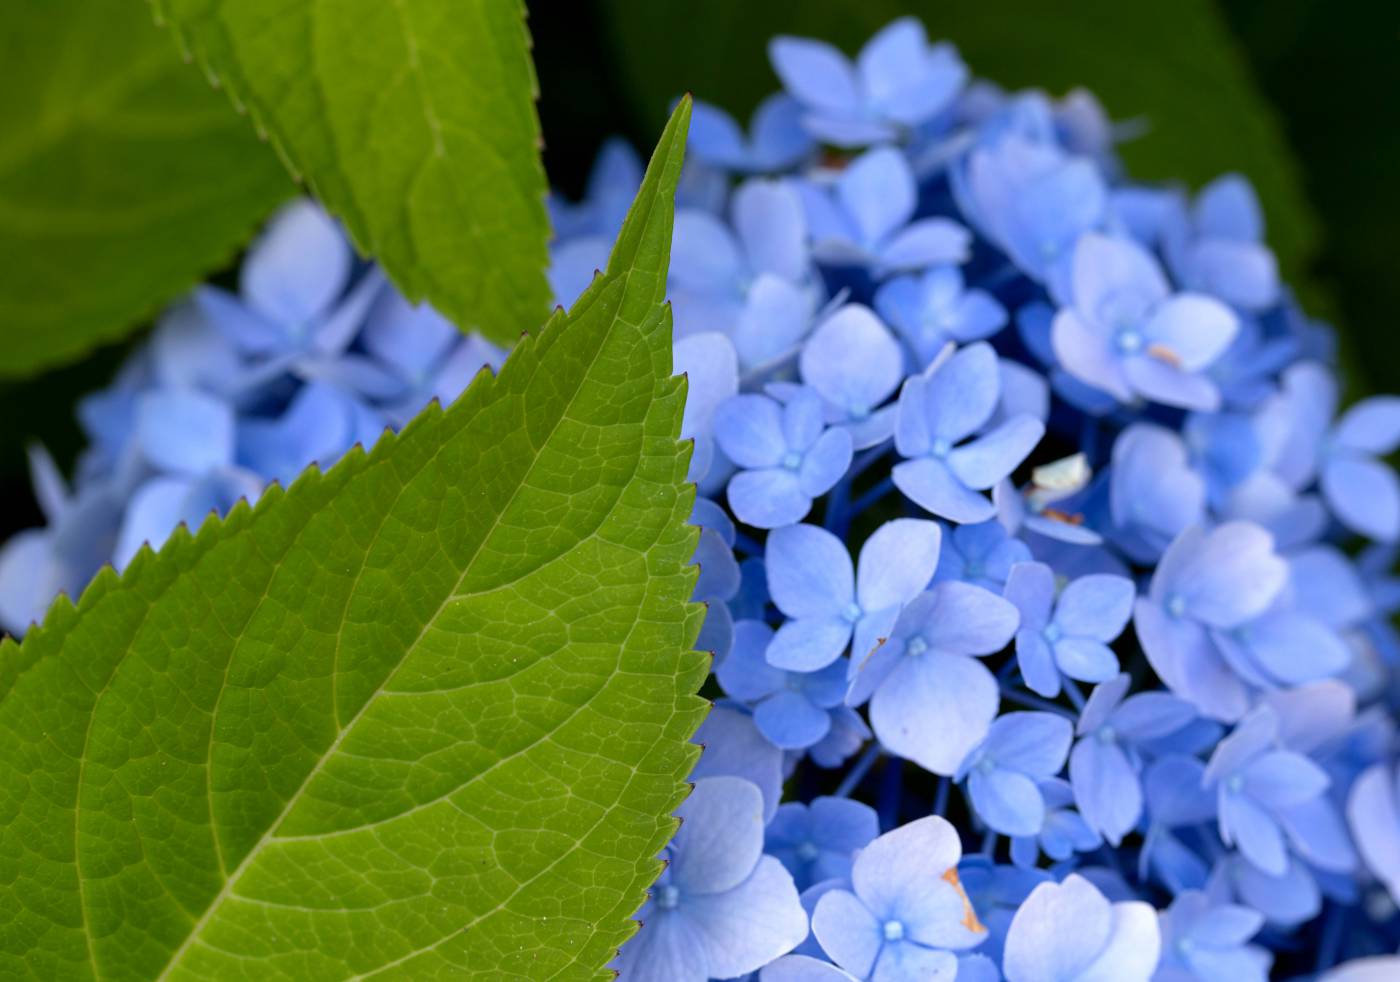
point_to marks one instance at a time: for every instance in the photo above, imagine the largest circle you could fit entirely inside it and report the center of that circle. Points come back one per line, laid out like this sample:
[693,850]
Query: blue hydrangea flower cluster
[1048,586]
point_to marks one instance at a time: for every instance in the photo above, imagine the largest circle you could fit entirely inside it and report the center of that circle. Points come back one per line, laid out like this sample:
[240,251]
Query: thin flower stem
[891,792]
[858,771]
[1034,702]
[940,801]
[872,496]
[1075,696]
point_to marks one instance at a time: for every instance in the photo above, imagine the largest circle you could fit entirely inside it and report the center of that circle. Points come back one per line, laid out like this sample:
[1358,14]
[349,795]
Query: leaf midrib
[268,835]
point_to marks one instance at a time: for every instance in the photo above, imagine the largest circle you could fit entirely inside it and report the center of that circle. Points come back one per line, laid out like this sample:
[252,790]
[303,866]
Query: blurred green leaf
[123,178]
[1172,64]
[414,122]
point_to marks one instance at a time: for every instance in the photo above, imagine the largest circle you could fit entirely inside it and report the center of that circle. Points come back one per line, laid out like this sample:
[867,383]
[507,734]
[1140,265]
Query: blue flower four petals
[943,470]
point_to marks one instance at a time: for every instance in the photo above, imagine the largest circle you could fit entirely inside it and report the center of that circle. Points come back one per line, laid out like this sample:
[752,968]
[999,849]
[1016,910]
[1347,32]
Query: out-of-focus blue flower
[1004,771]
[935,308]
[982,554]
[787,454]
[1125,331]
[1217,246]
[720,908]
[1063,833]
[158,505]
[416,355]
[719,580]
[1362,491]
[790,708]
[1034,201]
[1373,814]
[776,139]
[811,581]
[945,471]
[319,425]
[1204,941]
[1381,968]
[818,841]
[1069,635]
[612,184]
[1154,492]
[931,700]
[1106,762]
[803,968]
[734,747]
[898,82]
[711,368]
[855,366]
[906,913]
[1207,580]
[865,219]
[1069,932]
[293,311]
[1175,799]
[1255,781]
[753,282]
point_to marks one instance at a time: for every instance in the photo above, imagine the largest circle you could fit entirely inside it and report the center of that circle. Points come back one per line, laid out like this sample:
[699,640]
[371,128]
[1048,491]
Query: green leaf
[123,179]
[422,716]
[1174,65]
[414,121]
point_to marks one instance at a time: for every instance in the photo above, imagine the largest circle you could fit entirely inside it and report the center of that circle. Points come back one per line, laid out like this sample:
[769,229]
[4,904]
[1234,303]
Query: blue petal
[1007,801]
[930,484]
[772,226]
[746,674]
[1106,788]
[750,925]
[1096,606]
[825,463]
[809,572]
[1032,743]
[897,562]
[1364,494]
[790,720]
[986,460]
[298,267]
[877,191]
[852,361]
[815,73]
[183,431]
[720,837]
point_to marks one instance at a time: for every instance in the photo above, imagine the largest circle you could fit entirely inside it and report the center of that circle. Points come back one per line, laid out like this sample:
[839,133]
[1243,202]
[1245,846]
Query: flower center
[941,447]
[1176,605]
[986,765]
[916,646]
[894,931]
[667,897]
[792,460]
[1130,340]
[1052,633]
[807,851]
[1234,784]
[851,612]
[1106,734]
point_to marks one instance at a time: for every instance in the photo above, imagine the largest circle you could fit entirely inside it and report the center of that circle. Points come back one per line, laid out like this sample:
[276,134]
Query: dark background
[1328,73]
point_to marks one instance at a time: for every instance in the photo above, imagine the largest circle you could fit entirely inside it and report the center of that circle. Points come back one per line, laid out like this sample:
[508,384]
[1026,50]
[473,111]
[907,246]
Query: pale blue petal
[1106,788]
[1031,587]
[962,393]
[771,224]
[852,361]
[809,644]
[930,484]
[1254,832]
[933,709]
[704,255]
[809,572]
[927,242]
[790,720]
[1032,743]
[914,963]
[1364,494]
[184,431]
[825,463]
[667,948]
[745,674]
[735,748]
[1007,801]
[847,931]
[815,73]
[770,498]
[1038,946]
[749,429]
[1096,606]
[1037,663]
[750,925]
[1085,660]
[986,460]
[897,562]
[1372,426]
[877,190]
[1282,779]
[720,837]
[297,268]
